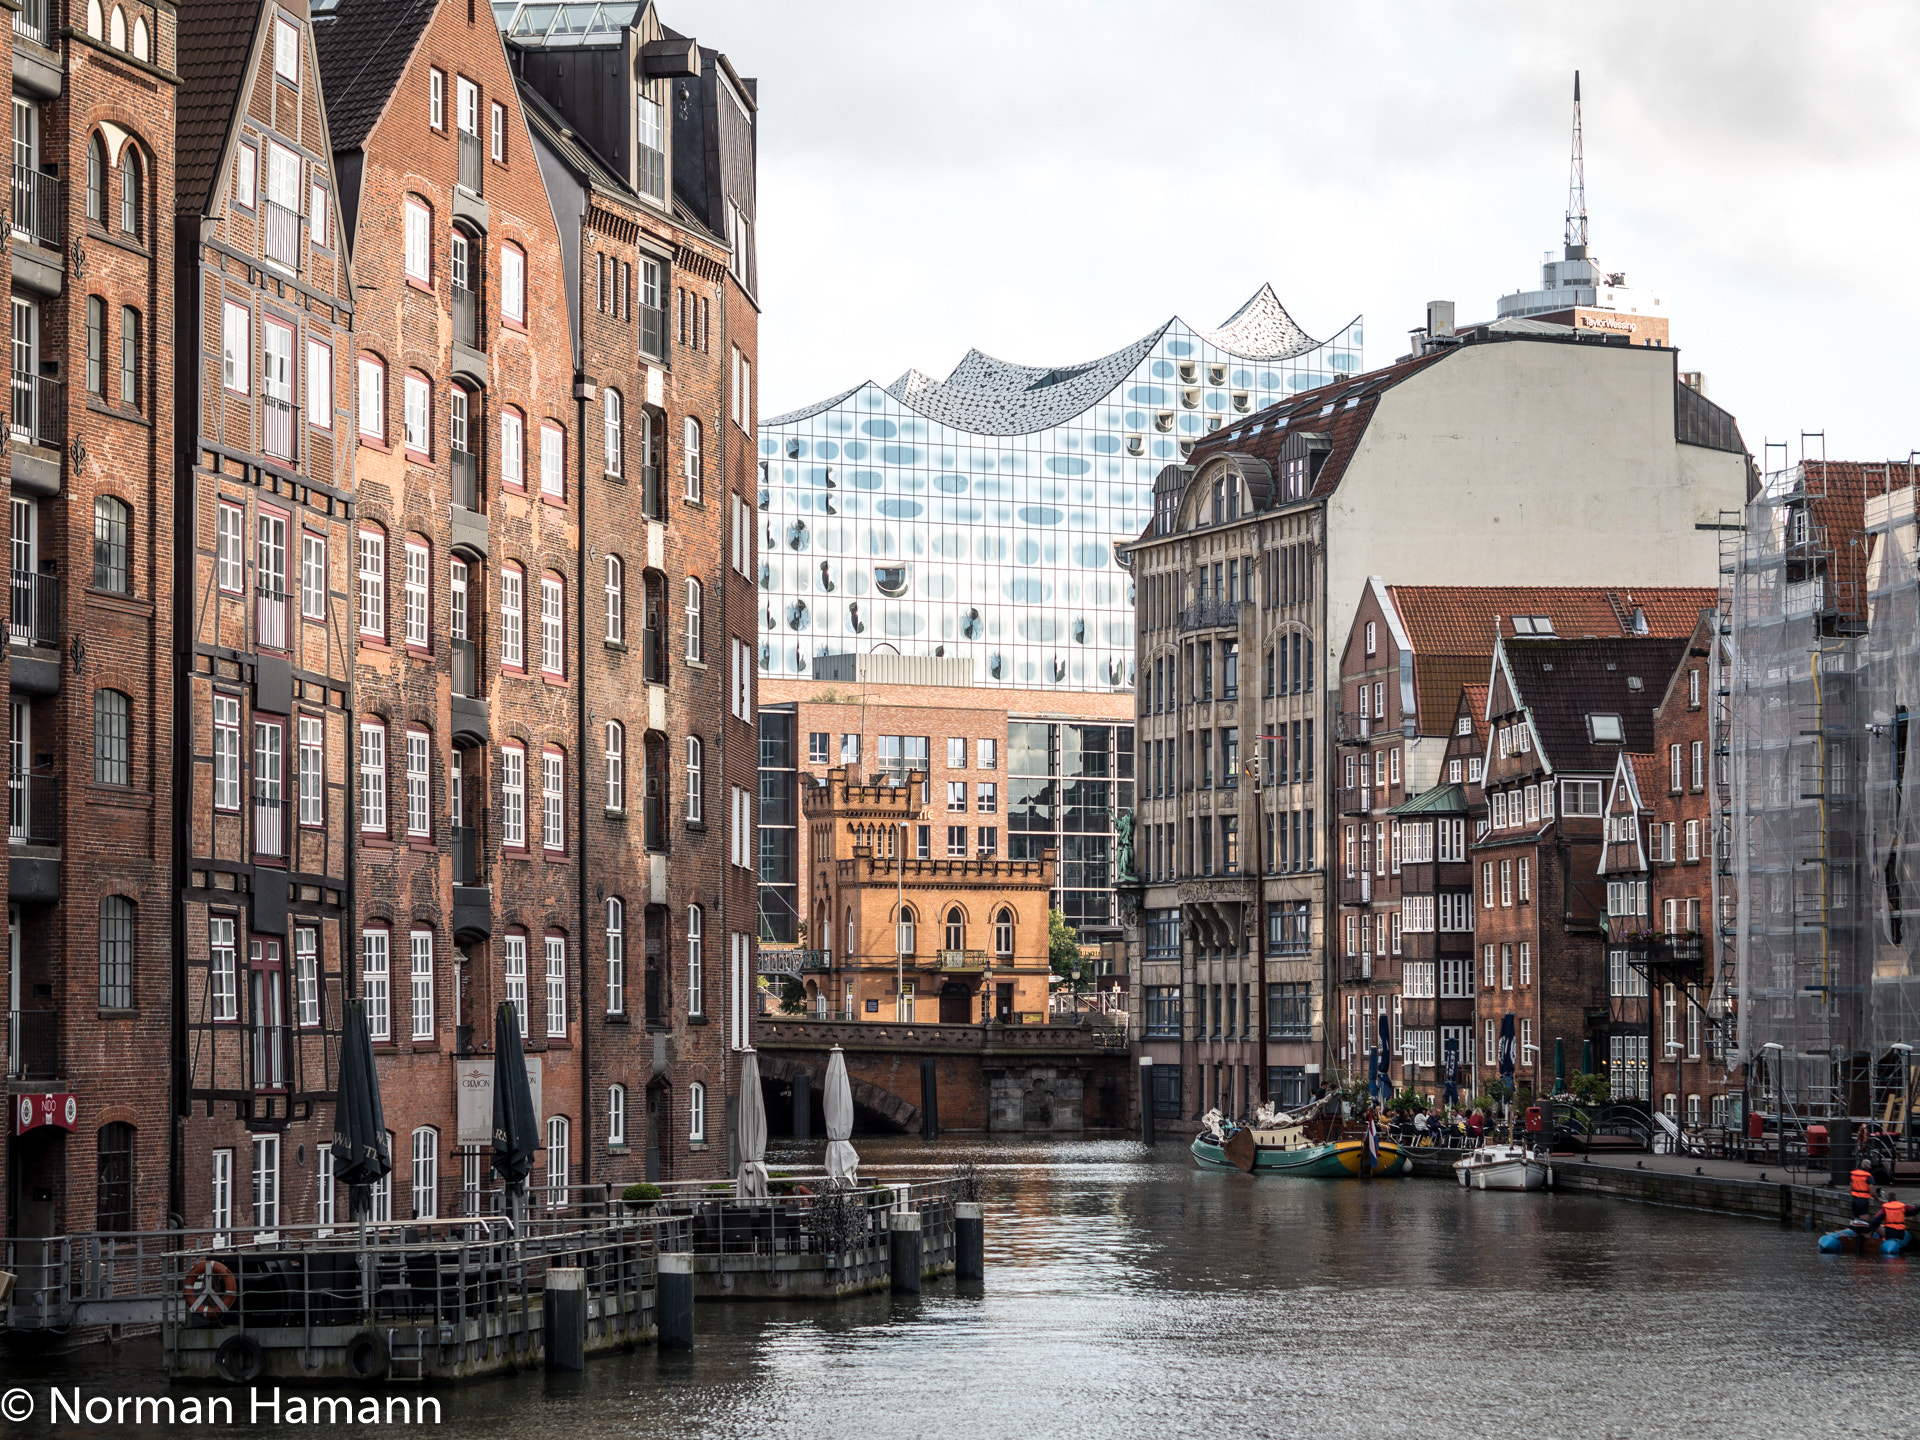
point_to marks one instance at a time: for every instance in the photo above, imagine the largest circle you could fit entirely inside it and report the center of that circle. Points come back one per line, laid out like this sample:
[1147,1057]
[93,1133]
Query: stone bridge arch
[882,1104]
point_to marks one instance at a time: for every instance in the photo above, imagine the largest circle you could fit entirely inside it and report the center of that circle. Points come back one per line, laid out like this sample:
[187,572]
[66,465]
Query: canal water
[1134,1296]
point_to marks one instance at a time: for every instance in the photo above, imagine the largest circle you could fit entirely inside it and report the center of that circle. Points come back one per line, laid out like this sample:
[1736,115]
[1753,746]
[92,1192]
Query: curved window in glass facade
[975,516]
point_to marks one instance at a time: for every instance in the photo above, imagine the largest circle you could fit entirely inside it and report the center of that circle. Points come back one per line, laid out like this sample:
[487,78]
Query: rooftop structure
[975,516]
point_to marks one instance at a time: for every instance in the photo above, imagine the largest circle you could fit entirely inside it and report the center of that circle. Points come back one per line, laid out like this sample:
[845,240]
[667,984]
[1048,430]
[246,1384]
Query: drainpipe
[729,1111]
[583,388]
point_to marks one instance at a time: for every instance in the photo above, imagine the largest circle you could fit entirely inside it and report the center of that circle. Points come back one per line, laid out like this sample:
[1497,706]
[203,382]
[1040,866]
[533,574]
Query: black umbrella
[1386,1056]
[516,1132]
[362,1155]
[1506,1046]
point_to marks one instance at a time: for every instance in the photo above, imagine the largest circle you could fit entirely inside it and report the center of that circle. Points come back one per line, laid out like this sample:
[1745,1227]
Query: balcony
[1356,799]
[36,202]
[35,617]
[472,164]
[653,331]
[655,810]
[653,493]
[653,654]
[276,428]
[794,962]
[33,810]
[1349,728]
[1356,889]
[466,856]
[272,827]
[465,657]
[963,961]
[466,480]
[33,1038]
[1212,615]
[30,20]
[39,410]
[283,236]
[271,611]
[466,317]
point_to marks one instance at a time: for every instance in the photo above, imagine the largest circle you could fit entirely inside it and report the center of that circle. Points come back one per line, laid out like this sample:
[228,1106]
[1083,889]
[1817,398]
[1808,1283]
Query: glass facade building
[975,516]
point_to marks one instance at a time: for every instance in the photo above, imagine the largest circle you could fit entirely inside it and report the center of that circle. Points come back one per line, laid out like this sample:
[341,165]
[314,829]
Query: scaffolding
[1818,865]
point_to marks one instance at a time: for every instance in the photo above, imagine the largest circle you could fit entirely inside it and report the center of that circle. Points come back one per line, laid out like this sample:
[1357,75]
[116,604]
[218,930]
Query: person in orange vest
[1866,1223]
[1893,1221]
[1862,1192]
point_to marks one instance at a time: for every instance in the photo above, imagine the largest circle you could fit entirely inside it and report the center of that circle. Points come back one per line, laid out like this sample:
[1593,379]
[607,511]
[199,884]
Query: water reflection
[1128,1297]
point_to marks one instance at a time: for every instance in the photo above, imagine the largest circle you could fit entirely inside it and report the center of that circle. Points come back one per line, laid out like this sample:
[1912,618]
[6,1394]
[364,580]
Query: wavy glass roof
[975,516]
[556,25]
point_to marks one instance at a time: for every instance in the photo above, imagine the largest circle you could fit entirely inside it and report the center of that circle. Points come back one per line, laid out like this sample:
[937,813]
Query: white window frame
[373,399]
[512,617]
[616,955]
[221,1198]
[419,784]
[222,968]
[513,284]
[616,761]
[313,575]
[311,774]
[696,780]
[513,796]
[696,961]
[513,448]
[559,1161]
[497,128]
[418,241]
[306,977]
[226,752]
[420,976]
[236,348]
[376,943]
[319,384]
[616,600]
[372,571]
[553,460]
[556,957]
[513,960]
[690,457]
[614,425]
[696,1113]
[416,419]
[616,1117]
[695,650]
[372,770]
[437,99]
[424,1173]
[553,802]
[230,548]
[417,615]
[286,49]
[553,626]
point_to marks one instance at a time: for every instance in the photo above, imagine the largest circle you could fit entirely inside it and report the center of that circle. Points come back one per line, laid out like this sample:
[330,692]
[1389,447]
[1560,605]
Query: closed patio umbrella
[751,1183]
[842,1159]
[516,1129]
[362,1155]
[1386,1058]
[1559,1066]
[1506,1046]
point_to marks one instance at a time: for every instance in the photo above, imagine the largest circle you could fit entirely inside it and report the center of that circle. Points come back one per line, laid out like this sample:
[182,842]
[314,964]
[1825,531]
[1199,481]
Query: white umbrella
[751,1183]
[842,1159]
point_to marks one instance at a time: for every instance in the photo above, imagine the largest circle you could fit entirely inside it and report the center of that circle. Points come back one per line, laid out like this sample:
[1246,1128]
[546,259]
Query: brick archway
[883,1104]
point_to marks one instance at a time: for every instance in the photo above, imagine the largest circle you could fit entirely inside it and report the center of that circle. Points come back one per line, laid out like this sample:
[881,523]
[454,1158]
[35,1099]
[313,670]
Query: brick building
[265,502]
[91,622]
[896,930]
[1410,651]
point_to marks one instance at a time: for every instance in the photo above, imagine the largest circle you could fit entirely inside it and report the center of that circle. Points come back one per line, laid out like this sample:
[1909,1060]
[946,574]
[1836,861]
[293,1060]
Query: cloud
[1050,180]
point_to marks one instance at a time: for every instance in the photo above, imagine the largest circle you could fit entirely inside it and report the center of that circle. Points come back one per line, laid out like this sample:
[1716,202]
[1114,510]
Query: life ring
[210,1288]
[239,1359]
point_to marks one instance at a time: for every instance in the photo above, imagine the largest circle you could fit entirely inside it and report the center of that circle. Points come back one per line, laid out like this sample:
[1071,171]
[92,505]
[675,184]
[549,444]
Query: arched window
[616,956]
[130,191]
[116,953]
[559,1161]
[693,619]
[426,1173]
[696,962]
[113,1206]
[695,799]
[1003,934]
[847,933]
[97,180]
[690,457]
[117,29]
[616,766]
[615,438]
[112,535]
[142,49]
[616,601]
[956,936]
[96,346]
[616,1116]
[697,1113]
[96,25]
[110,731]
[129,357]
[905,927]
[553,625]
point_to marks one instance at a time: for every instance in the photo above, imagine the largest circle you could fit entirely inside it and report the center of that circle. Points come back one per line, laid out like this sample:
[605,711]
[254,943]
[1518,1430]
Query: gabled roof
[1441,800]
[215,41]
[1562,682]
[1475,693]
[364,48]
[1835,492]
[1631,774]
[1450,628]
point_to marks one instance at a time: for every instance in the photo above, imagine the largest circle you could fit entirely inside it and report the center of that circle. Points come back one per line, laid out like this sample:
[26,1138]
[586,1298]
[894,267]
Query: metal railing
[39,410]
[33,1044]
[272,826]
[1349,727]
[654,808]
[271,609]
[472,164]
[1356,889]
[653,654]
[1355,799]
[1211,613]
[30,20]
[466,480]
[283,236]
[33,808]
[466,317]
[36,201]
[464,658]
[794,962]
[35,615]
[963,959]
[653,331]
[276,428]
[466,856]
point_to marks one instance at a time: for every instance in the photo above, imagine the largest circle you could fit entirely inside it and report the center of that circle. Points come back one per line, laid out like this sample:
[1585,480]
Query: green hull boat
[1343,1159]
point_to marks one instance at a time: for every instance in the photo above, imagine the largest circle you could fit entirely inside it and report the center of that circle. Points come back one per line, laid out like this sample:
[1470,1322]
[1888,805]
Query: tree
[1063,950]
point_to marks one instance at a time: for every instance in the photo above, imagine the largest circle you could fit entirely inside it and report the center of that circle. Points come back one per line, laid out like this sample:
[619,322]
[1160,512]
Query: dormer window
[1604,729]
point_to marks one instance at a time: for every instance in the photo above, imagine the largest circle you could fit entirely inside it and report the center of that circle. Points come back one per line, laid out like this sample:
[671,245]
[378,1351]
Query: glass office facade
[1066,786]
[975,516]
[779,832]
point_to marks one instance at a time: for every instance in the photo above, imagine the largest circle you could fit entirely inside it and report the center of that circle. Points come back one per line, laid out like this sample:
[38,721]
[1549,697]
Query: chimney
[1439,318]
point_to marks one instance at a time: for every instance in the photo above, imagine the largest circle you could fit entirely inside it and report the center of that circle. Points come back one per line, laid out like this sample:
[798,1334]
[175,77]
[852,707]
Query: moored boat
[1502,1167]
[1312,1147]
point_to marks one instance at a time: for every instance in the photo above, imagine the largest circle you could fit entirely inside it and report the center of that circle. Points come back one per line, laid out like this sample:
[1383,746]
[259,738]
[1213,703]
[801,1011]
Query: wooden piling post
[563,1316]
[904,1252]
[970,1240]
[673,1300]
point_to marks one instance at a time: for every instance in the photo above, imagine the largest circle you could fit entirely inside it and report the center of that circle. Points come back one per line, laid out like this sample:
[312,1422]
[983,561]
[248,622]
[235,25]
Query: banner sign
[473,1097]
[32,1112]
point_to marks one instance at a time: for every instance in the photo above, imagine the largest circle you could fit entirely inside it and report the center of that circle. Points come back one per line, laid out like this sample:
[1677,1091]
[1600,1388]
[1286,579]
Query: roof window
[1604,729]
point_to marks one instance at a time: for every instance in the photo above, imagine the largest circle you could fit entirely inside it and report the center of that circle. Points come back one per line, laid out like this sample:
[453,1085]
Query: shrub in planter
[642,1194]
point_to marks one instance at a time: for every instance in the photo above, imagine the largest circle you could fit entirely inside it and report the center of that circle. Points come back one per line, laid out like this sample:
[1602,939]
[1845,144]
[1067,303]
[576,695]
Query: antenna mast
[1576,241]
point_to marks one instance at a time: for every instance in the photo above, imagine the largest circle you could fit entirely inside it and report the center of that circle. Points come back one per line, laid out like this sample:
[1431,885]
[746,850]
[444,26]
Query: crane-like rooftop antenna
[1577,187]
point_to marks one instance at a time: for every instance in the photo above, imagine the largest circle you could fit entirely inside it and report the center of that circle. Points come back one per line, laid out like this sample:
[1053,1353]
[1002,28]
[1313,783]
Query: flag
[1373,1141]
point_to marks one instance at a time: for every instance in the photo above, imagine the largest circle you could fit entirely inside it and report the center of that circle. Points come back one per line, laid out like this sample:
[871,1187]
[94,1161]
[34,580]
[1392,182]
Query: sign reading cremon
[473,1097]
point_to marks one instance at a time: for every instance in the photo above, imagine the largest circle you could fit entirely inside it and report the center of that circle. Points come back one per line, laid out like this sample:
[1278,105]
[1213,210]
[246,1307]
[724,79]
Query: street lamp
[1779,1098]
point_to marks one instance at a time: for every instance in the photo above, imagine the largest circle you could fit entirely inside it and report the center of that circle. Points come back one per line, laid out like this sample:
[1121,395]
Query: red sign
[31,1112]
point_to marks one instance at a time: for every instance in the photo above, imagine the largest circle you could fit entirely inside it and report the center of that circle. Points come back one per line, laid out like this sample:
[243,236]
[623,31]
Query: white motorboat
[1502,1167]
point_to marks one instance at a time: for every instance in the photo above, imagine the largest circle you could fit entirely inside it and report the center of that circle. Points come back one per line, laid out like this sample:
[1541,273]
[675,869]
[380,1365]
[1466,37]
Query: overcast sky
[1048,180]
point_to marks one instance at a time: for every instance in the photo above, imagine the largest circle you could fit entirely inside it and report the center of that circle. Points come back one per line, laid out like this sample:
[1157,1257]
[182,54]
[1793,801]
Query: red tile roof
[1836,493]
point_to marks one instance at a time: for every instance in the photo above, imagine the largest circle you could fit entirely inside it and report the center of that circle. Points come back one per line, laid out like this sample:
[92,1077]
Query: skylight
[1605,729]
